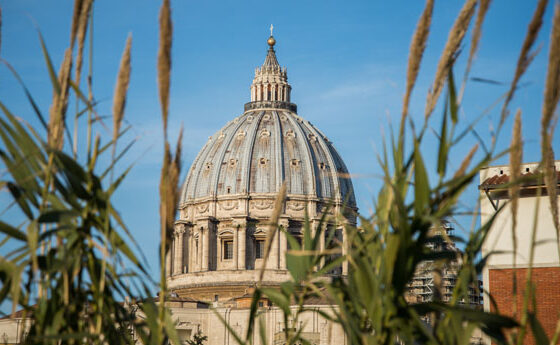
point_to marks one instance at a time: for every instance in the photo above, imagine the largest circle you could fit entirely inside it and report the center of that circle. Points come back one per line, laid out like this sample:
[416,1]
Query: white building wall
[500,240]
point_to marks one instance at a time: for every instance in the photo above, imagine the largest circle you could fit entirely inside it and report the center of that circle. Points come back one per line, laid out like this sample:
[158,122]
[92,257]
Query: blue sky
[346,63]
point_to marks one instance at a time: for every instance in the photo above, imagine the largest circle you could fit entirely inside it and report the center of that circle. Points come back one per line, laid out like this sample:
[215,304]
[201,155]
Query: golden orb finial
[271,41]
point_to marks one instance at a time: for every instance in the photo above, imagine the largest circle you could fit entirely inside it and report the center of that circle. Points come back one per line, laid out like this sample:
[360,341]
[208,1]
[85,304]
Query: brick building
[534,208]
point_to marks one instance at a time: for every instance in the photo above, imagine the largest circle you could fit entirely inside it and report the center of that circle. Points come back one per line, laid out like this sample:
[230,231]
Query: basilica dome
[228,195]
[263,148]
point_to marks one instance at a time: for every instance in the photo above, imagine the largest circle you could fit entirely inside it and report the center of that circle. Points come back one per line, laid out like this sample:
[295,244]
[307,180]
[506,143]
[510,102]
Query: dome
[228,197]
[262,148]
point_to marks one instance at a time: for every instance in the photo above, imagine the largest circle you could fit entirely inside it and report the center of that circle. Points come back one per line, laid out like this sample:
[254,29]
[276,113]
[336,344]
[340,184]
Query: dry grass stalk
[164,198]
[525,56]
[57,112]
[164,60]
[454,40]
[273,227]
[169,189]
[476,34]
[552,88]
[551,97]
[81,36]
[465,163]
[119,98]
[178,151]
[75,20]
[417,47]
[477,31]
[516,157]
[551,182]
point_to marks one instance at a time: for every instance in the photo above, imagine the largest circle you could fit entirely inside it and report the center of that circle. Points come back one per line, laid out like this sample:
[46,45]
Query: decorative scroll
[295,205]
[229,205]
[262,204]
[202,208]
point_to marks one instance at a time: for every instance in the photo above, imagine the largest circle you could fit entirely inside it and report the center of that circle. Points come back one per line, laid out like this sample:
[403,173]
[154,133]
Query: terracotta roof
[18,314]
[497,181]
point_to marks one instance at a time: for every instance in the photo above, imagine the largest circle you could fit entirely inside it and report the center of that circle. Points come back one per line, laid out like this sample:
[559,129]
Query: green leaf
[453,106]
[56,216]
[538,331]
[421,183]
[48,61]
[443,144]
[12,232]
[276,297]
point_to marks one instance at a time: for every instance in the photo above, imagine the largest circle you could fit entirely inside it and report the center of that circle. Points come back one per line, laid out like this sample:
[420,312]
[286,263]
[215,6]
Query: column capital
[285,222]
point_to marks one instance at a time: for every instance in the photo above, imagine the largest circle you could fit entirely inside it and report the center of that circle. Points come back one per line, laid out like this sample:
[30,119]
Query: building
[422,288]
[534,206]
[226,204]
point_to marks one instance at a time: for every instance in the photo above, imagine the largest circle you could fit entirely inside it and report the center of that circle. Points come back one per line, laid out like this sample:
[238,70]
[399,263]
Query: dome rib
[245,161]
[332,164]
[229,136]
[192,191]
[311,176]
[280,175]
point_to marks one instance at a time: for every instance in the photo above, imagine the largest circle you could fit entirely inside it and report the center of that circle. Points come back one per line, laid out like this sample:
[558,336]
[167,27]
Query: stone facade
[229,194]
[226,203]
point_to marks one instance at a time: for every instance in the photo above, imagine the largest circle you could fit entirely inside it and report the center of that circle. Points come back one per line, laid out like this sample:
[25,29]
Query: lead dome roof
[259,150]
[267,145]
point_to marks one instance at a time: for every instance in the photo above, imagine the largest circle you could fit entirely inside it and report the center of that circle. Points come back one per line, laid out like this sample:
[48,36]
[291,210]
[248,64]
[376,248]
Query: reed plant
[386,250]
[72,266]
[74,270]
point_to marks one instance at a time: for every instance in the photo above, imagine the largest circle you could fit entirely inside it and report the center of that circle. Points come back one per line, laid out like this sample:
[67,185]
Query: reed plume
[476,34]
[417,47]
[75,20]
[57,112]
[551,97]
[81,36]
[525,56]
[178,151]
[164,60]
[164,193]
[515,159]
[466,162]
[454,40]
[477,31]
[119,97]
[552,87]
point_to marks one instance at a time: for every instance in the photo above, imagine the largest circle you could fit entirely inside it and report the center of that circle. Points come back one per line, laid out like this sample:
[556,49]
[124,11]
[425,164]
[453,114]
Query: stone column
[242,246]
[192,252]
[204,249]
[168,263]
[179,250]
[186,249]
[284,223]
[344,252]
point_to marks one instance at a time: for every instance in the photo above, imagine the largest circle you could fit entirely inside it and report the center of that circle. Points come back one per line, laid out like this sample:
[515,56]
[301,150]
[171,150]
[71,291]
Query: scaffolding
[422,287]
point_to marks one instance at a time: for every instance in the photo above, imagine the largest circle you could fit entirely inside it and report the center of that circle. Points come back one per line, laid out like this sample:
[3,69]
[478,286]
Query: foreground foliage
[65,265]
